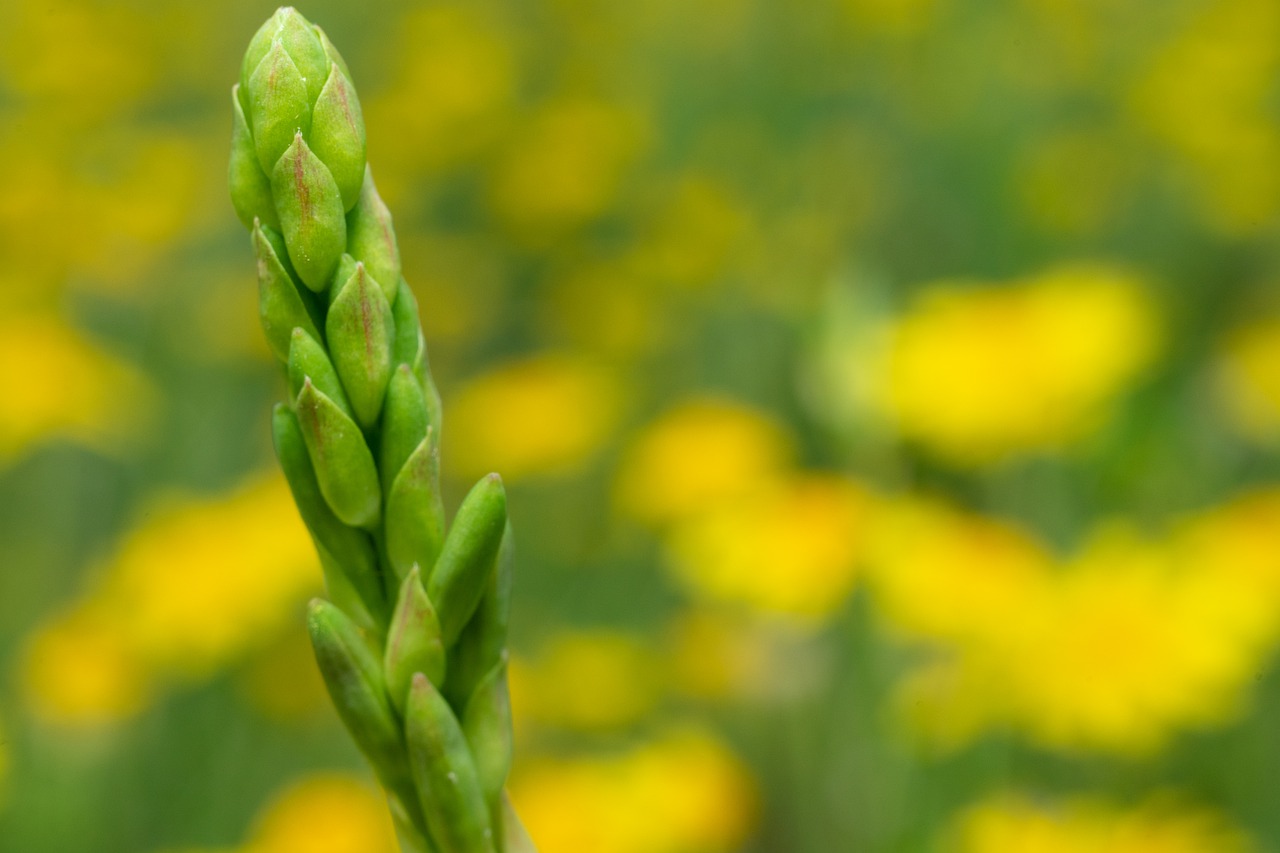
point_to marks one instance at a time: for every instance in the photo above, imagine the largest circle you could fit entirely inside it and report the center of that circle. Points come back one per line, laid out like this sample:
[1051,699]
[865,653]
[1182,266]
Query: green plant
[412,642]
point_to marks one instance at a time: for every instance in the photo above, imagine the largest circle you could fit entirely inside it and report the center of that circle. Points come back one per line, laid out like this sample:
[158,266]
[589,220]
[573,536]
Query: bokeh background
[888,393]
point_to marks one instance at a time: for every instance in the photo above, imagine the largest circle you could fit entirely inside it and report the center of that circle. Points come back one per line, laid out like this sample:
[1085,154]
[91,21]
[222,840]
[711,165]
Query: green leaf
[445,774]
[311,213]
[467,560]
[342,461]
[413,641]
[337,135]
[360,332]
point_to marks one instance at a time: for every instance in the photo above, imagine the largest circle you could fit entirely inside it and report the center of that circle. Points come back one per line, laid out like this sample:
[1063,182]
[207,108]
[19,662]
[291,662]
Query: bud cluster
[412,643]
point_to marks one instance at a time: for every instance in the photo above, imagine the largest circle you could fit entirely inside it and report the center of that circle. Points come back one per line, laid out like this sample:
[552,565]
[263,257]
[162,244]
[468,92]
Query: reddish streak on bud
[304,192]
[366,318]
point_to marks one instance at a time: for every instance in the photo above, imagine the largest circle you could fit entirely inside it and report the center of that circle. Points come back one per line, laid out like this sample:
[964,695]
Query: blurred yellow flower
[326,813]
[542,415]
[981,373]
[59,384]
[1208,97]
[682,793]
[589,681]
[77,669]
[696,455]
[451,97]
[1007,823]
[694,235]
[565,166]
[790,549]
[1114,650]
[192,589]
[1250,375]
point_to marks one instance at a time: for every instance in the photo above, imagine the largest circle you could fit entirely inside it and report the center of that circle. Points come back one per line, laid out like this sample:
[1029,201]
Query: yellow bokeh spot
[325,814]
[589,681]
[1250,376]
[1208,97]
[59,384]
[78,670]
[1116,649]
[981,373]
[684,792]
[542,415]
[565,166]
[195,587]
[1013,823]
[790,549]
[696,455]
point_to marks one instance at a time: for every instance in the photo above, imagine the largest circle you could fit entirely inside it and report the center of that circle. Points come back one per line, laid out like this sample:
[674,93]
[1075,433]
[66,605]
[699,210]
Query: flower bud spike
[413,641]
[311,213]
[414,518]
[486,722]
[445,774]
[308,360]
[468,557]
[250,186]
[282,305]
[278,106]
[360,331]
[337,135]
[353,676]
[343,464]
[372,238]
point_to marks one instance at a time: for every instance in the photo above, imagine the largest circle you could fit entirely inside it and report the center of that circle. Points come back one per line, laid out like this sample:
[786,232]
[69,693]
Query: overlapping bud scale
[411,644]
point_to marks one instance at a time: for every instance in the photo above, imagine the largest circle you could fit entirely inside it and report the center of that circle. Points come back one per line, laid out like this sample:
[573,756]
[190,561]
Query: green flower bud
[414,518]
[301,42]
[482,643]
[337,135]
[282,305]
[308,360]
[331,51]
[467,560]
[445,774]
[409,346]
[278,106]
[250,187]
[373,239]
[413,641]
[486,722]
[404,424]
[311,213]
[360,332]
[353,675]
[349,550]
[342,461]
